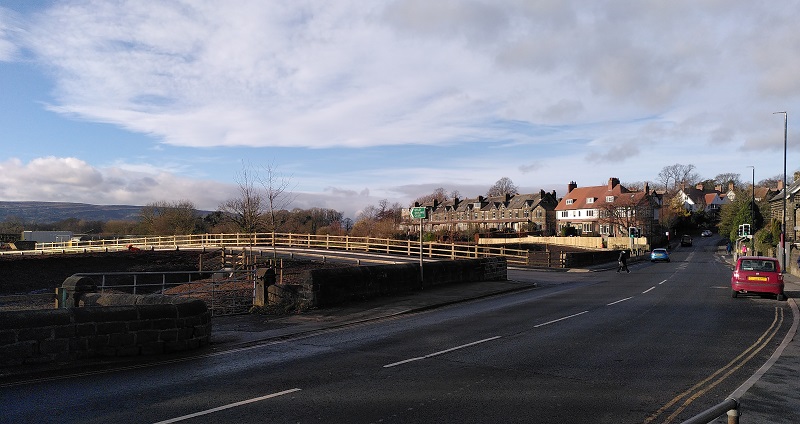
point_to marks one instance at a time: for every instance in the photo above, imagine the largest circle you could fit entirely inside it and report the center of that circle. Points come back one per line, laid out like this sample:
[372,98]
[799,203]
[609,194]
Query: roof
[598,195]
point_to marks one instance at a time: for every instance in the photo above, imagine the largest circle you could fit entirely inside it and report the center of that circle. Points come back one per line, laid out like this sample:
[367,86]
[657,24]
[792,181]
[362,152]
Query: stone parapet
[104,325]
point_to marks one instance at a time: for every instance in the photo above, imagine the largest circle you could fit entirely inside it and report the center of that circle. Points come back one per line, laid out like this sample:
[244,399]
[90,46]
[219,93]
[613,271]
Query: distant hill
[47,212]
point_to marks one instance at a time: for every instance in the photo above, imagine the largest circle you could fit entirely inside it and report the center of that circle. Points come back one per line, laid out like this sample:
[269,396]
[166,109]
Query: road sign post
[420,212]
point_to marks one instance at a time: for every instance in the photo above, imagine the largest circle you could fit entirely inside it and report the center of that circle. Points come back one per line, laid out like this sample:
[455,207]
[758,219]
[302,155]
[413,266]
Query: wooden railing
[281,240]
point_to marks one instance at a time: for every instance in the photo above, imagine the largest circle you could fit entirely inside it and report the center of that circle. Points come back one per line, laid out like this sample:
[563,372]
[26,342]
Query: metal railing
[429,250]
[226,292]
[730,407]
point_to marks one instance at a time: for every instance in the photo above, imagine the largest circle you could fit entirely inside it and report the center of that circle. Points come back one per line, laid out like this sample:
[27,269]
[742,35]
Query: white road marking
[231,405]
[441,352]
[662,282]
[621,300]
[560,319]
[651,288]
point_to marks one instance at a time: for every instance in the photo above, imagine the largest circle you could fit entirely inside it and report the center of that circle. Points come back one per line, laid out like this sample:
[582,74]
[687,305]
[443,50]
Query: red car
[757,274]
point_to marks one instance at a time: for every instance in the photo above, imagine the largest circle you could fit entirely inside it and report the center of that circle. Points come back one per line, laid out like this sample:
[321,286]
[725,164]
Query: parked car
[706,233]
[659,254]
[757,274]
[686,240]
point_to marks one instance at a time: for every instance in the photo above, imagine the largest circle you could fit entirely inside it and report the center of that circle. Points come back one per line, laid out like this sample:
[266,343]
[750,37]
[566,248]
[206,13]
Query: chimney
[780,185]
[571,186]
[646,188]
[613,182]
[730,186]
[541,193]
[718,187]
[554,195]
[796,176]
[699,186]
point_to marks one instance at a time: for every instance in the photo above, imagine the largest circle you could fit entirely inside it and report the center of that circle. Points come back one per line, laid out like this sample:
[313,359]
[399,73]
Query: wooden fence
[430,250]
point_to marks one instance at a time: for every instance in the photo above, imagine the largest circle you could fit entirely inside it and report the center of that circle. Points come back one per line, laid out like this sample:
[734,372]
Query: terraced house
[608,210]
[533,213]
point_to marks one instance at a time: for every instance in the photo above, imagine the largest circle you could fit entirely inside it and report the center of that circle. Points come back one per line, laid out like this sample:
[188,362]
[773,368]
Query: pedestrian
[744,249]
[623,261]
[728,248]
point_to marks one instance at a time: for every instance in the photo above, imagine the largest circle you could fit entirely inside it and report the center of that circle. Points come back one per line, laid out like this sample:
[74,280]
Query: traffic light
[633,231]
[740,231]
[744,230]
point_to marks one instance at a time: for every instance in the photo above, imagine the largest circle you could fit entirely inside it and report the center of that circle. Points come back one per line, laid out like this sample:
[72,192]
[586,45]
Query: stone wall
[325,287]
[105,325]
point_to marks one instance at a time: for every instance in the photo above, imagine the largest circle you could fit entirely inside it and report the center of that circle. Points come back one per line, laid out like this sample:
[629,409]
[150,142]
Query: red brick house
[607,210]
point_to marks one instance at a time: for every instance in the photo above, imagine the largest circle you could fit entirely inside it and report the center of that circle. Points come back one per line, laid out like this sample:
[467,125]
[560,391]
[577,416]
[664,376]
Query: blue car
[659,255]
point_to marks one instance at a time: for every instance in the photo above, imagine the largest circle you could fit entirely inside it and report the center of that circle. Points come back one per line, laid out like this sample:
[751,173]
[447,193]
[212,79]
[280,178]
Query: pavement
[772,395]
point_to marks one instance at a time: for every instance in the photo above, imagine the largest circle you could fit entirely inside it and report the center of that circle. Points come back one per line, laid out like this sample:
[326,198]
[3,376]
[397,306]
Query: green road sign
[418,213]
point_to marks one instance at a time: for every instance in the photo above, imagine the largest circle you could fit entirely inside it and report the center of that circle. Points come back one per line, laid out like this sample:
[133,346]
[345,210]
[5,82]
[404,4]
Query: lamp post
[753,213]
[785,193]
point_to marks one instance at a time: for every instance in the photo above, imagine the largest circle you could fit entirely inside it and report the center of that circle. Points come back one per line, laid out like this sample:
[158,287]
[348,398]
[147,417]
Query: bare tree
[278,193]
[439,195]
[673,175]
[245,211]
[728,177]
[628,210]
[502,187]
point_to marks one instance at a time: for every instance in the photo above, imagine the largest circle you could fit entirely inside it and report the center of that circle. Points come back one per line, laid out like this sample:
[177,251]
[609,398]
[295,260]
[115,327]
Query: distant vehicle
[757,274]
[659,254]
[706,233]
[686,240]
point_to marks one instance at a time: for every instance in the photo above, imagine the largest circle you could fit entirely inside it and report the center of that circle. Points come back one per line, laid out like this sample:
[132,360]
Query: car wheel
[734,294]
[780,297]
[667,260]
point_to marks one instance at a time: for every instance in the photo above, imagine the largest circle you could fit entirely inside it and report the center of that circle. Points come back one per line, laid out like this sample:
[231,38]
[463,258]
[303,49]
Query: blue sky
[134,102]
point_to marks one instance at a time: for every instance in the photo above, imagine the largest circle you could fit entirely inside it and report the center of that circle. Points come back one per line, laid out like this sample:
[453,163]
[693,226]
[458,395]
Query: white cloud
[396,72]
[73,180]
[550,86]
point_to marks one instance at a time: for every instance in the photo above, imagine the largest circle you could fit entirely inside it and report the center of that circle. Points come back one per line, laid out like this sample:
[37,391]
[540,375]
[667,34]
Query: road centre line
[441,352]
[651,288]
[228,406]
[560,319]
[619,301]
[662,282]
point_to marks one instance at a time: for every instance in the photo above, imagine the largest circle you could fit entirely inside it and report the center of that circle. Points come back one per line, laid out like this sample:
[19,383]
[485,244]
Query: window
[563,214]
[590,200]
[610,199]
[570,201]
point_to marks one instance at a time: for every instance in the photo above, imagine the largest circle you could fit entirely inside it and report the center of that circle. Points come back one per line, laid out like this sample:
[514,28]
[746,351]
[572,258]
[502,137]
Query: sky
[351,102]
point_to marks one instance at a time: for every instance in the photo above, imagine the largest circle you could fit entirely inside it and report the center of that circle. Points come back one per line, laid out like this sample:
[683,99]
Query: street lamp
[785,193]
[753,213]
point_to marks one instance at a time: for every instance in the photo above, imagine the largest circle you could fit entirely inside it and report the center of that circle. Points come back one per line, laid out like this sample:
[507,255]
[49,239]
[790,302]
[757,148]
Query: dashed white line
[228,406]
[662,282]
[619,301]
[560,319]
[651,288]
[441,352]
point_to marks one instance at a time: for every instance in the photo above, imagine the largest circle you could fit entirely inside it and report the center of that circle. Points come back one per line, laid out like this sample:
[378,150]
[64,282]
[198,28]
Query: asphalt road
[657,345]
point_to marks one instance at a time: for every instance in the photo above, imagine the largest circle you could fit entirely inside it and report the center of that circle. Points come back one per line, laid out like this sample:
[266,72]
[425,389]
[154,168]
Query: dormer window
[610,199]
[590,200]
[570,201]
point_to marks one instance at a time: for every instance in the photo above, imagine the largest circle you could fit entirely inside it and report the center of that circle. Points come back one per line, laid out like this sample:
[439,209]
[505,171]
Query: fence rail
[226,292]
[429,250]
